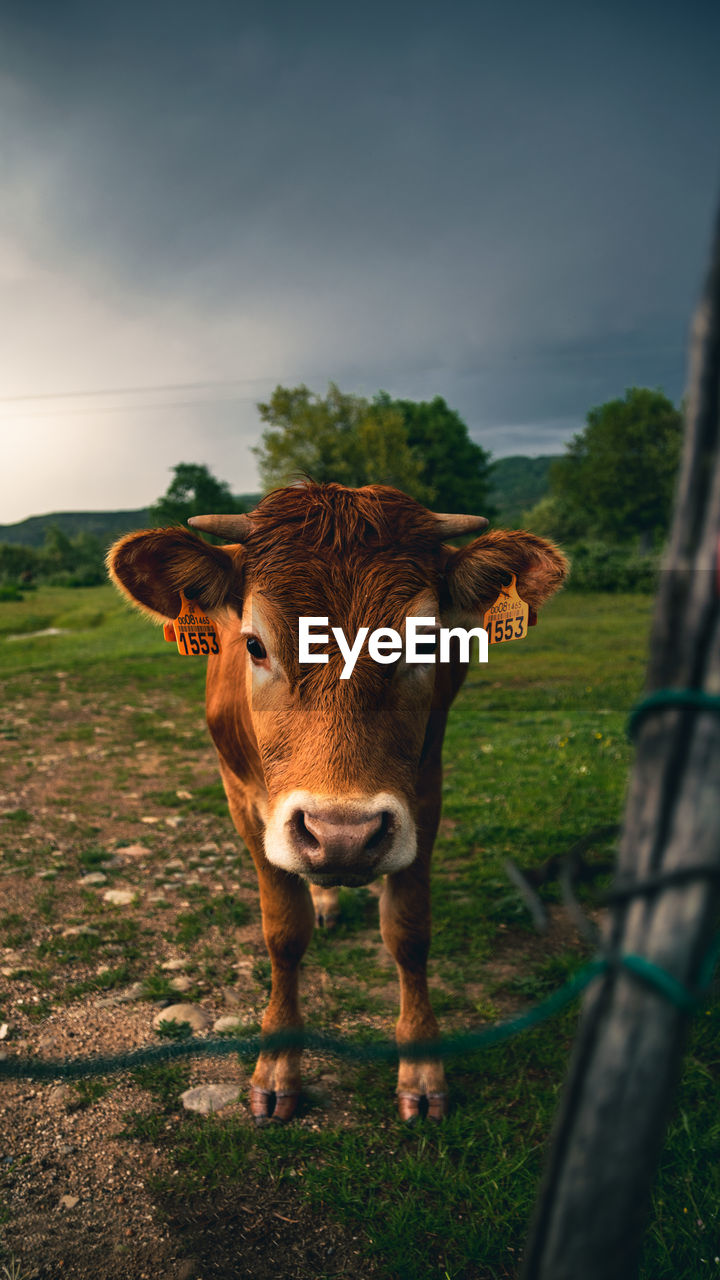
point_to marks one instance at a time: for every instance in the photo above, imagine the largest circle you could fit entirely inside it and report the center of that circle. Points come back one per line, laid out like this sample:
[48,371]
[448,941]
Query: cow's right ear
[151,568]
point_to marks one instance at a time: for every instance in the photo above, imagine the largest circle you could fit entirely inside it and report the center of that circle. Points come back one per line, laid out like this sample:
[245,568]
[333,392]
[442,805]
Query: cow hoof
[438,1106]
[268,1106]
[414,1106]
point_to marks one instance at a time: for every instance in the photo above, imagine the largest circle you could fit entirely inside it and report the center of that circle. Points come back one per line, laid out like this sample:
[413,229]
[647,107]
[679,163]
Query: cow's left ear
[475,574]
[152,567]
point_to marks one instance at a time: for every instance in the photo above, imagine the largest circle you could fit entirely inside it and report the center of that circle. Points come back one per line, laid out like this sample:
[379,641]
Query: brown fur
[152,567]
[359,557]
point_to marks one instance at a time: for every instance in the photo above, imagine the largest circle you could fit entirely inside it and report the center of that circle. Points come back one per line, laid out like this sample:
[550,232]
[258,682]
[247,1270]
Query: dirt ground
[81,798]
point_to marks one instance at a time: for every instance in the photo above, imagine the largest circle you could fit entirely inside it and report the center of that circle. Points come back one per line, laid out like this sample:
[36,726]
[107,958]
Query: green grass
[536,755]
[224,912]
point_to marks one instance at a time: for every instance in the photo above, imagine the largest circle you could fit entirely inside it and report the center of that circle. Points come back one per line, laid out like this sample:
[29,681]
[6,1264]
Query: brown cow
[333,781]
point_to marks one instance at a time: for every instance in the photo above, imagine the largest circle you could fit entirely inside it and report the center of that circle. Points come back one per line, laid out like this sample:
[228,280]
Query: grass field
[105,751]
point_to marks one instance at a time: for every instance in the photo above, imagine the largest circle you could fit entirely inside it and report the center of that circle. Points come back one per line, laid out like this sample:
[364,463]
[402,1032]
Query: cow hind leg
[287,926]
[405,927]
[327,906]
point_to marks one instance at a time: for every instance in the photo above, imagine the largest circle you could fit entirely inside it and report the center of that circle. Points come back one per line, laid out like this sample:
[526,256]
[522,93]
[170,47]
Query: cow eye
[256,649]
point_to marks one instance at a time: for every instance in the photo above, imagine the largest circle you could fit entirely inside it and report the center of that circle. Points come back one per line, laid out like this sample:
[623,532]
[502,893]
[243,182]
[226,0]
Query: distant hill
[517,484]
[105,525]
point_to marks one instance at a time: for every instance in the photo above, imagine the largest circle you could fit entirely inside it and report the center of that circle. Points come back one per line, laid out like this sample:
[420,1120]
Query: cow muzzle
[333,841]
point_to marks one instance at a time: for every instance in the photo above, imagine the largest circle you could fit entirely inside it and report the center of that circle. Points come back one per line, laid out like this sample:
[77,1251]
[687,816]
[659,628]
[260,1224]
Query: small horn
[453,526]
[233,528]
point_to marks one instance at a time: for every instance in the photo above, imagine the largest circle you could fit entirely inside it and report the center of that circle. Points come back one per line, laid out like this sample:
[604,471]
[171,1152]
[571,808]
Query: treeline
[607,500]
[62,560]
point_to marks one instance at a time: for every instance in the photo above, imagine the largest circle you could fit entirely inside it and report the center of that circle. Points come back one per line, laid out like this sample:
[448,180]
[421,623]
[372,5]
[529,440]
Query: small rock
[69,1202]
[46,875]
[157,900]
[198,1019]
[59,1095]
[206,1098]
[149,820]
[111,864]
[184,795]
[172,966]
[4,1030]
[79,931]
[180,983]
[330,1077]
[134,851]
[175,864]
[174,821]
[93,878]
[210,847]
[119,897]
[226,1023]
[134,992]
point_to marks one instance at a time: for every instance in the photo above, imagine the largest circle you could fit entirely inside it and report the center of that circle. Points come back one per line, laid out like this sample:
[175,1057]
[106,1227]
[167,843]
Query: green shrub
[602,566]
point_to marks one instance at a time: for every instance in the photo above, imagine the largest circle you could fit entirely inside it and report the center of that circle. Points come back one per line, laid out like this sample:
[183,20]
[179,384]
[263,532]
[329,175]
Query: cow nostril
[381,831]
[301,832]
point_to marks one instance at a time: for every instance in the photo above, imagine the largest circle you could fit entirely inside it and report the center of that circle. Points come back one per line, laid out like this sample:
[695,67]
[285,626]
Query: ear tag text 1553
[193,630]
[508,618]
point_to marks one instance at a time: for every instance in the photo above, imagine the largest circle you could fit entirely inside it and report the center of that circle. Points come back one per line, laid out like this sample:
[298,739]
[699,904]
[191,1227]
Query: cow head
[335,762]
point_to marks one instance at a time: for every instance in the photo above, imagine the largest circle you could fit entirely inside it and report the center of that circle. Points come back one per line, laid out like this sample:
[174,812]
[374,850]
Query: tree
[339,437]
[194,491]
[456,469]
[422,448]
[18,564]
[77,561]
[617,478]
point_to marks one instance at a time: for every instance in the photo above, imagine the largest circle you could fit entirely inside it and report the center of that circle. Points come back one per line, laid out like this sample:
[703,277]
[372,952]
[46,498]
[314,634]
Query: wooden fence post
[591,1210]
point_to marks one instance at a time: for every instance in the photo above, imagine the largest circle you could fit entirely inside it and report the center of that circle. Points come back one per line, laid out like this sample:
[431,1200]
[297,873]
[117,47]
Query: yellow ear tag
[194,631]
[508,618]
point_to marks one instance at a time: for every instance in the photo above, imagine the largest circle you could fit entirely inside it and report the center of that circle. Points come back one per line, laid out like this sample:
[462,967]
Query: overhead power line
[132,391]
[479,366]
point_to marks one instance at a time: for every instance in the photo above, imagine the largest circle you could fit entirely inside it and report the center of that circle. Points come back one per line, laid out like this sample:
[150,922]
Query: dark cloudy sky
[505,204]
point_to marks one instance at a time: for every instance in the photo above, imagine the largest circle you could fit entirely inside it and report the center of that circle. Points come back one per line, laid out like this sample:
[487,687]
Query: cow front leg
[287,916]
[405,927]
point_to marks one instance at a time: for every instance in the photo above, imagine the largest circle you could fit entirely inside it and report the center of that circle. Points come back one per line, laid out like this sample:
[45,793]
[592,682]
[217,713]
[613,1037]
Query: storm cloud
[507,206]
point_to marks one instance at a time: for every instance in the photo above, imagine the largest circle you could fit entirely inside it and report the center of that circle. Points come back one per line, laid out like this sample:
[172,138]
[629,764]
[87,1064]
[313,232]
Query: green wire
[451,1046]
[662,698]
